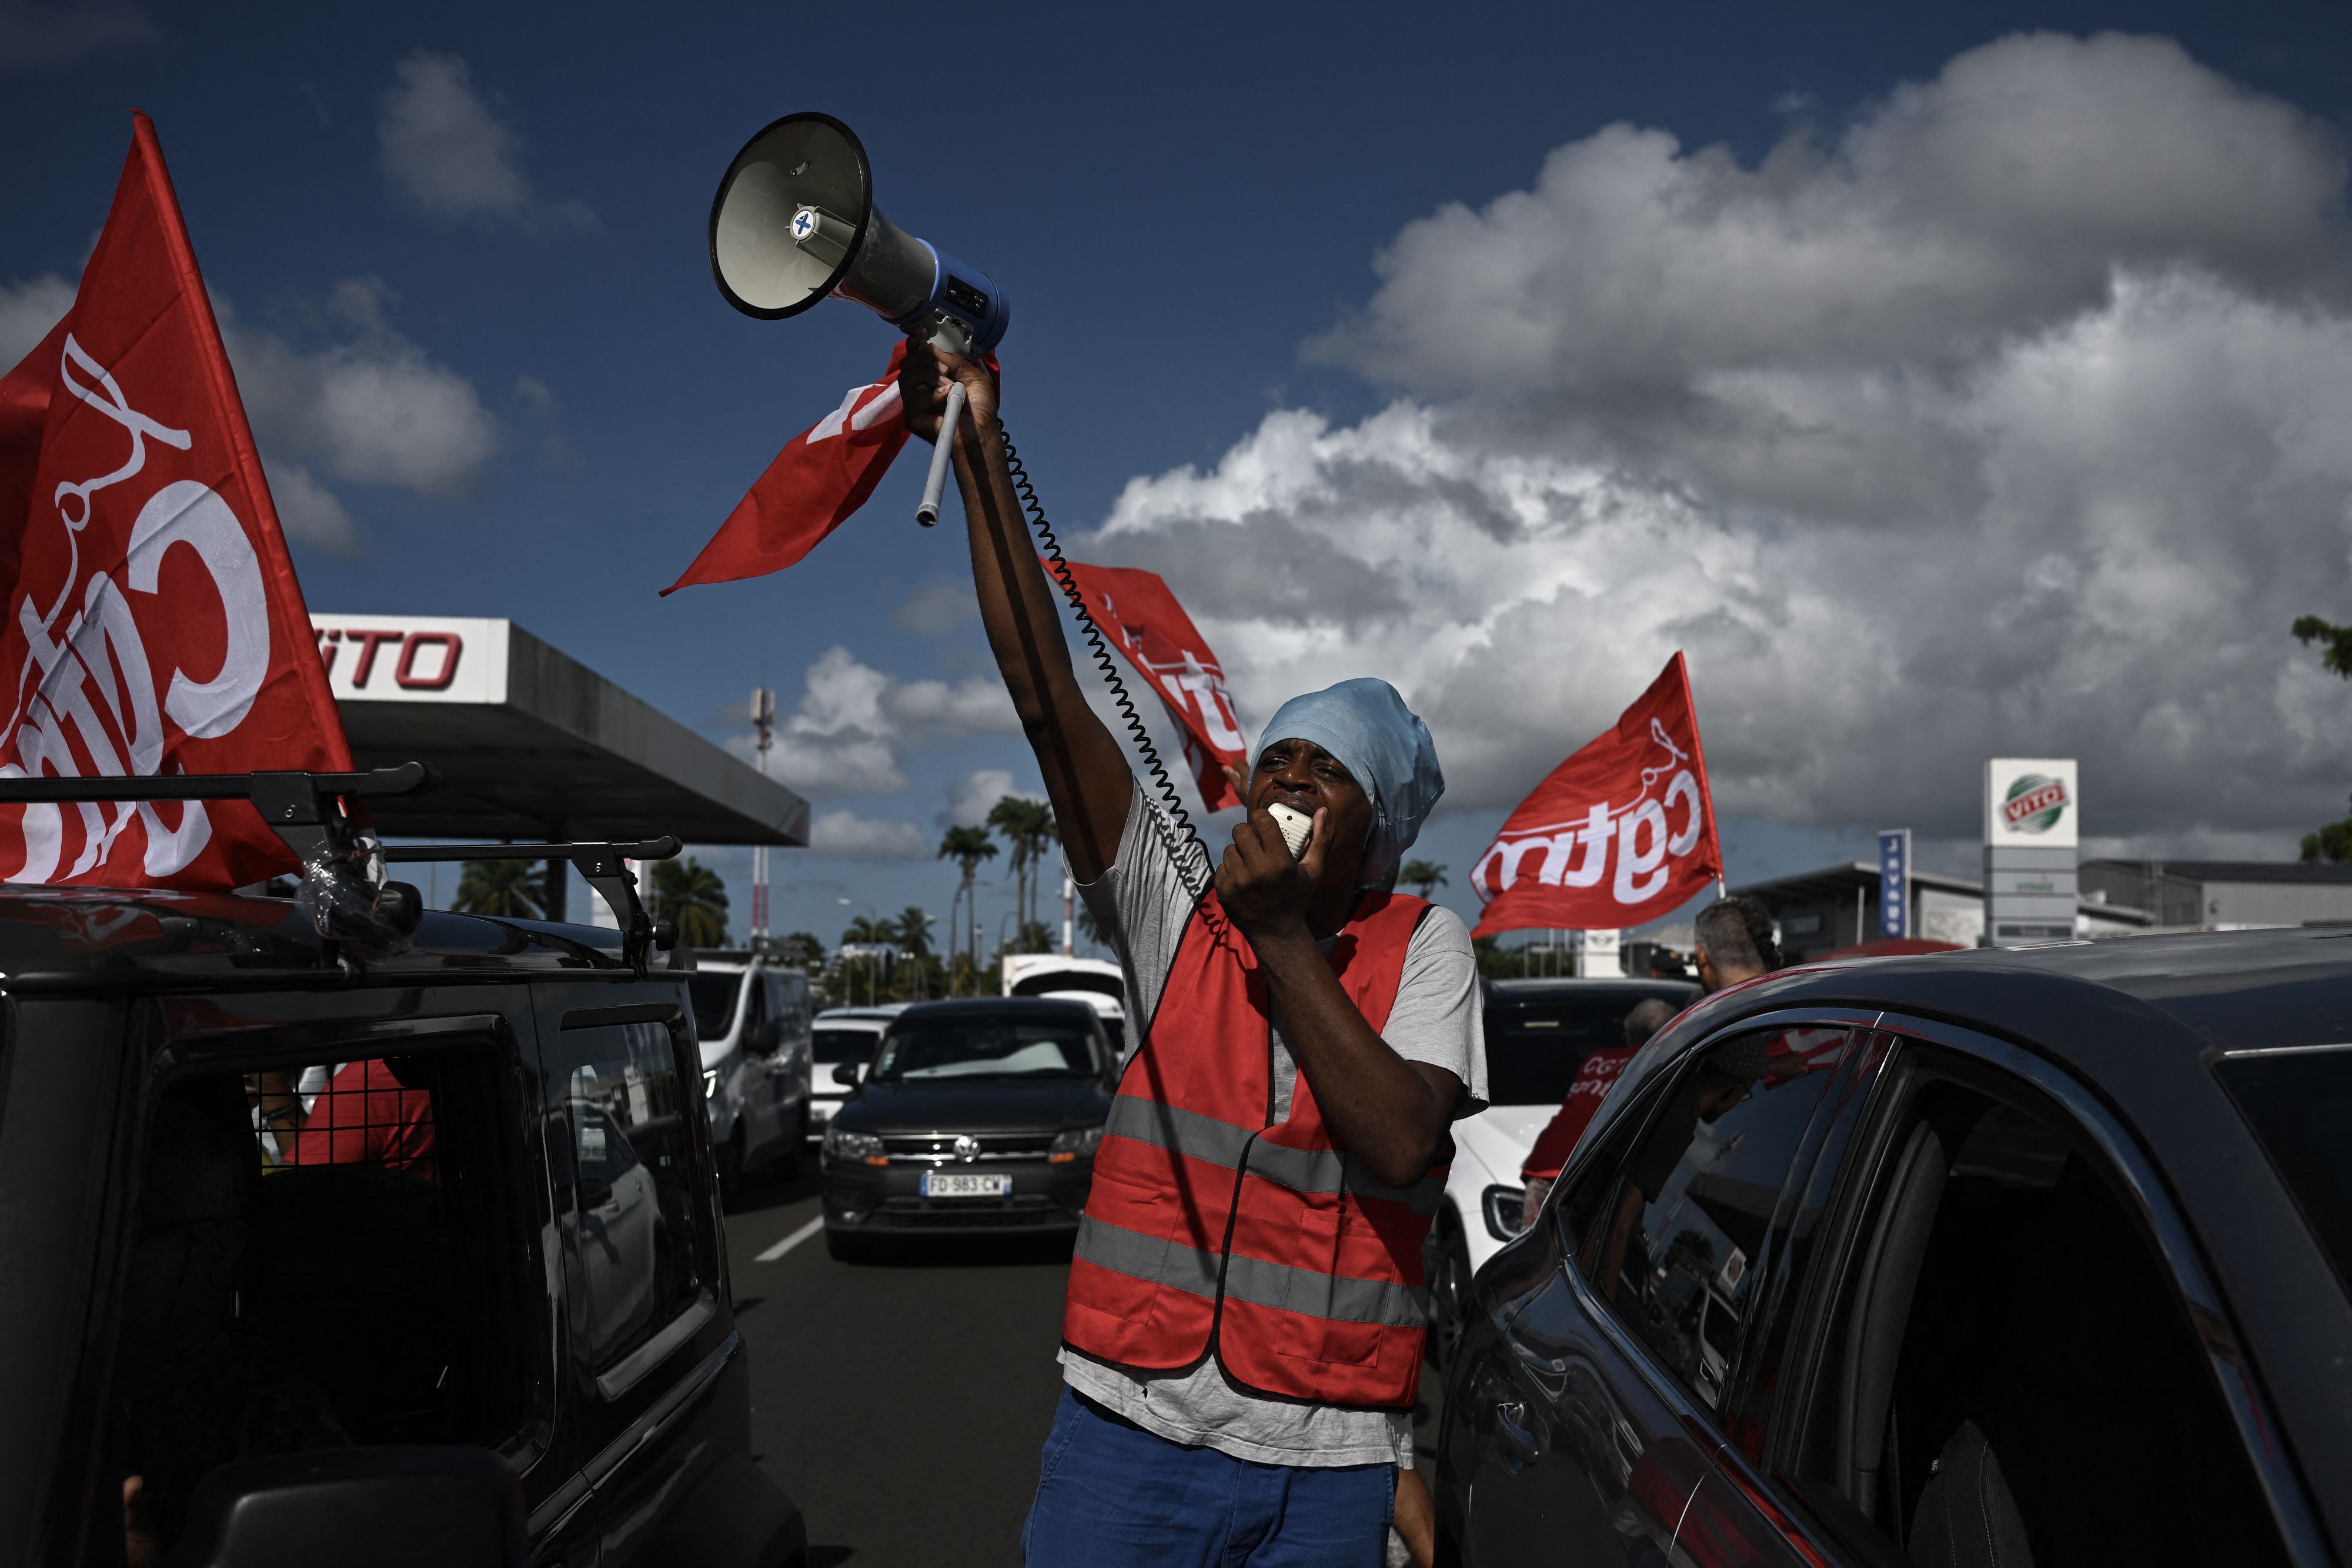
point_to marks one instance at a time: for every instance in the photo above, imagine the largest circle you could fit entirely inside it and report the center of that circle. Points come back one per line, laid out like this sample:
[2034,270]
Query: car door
[649,1337]
[1589,1418]
[757,1055]
[1996,1349]
[795,1045]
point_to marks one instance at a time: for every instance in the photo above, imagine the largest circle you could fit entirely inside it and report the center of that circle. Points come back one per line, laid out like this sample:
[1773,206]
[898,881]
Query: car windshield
[1533,1048]
[988,1048]
[714,997]
[2298,1103]
[837,1044]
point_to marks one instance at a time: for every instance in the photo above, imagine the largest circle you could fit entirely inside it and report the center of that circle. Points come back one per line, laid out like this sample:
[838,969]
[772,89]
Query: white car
[1538,1033]
[751,1016]
[842,1038]
[1052,978]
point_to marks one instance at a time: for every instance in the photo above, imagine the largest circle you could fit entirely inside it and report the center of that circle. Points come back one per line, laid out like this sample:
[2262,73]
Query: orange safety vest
[1212,1229]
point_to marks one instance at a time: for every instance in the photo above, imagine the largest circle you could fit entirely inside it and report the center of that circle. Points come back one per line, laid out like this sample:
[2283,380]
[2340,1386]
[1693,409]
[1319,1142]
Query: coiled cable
[1170,818]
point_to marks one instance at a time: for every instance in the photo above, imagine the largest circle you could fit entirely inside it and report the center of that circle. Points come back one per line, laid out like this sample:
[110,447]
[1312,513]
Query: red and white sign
[153,621]
[1142,618]
[412,658]
[1621,833]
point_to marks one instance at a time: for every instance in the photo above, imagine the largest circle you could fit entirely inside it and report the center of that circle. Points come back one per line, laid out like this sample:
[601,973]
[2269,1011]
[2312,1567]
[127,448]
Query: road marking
[789,1242]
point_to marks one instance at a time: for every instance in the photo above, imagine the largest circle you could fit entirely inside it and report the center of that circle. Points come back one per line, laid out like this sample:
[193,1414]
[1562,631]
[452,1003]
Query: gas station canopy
[531,743]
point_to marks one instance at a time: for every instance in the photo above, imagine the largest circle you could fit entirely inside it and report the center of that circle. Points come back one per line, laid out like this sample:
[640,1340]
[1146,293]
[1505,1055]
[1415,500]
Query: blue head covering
[1385,748]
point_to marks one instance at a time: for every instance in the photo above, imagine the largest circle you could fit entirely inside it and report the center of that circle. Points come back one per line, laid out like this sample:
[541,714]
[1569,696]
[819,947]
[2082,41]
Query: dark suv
[409,1255]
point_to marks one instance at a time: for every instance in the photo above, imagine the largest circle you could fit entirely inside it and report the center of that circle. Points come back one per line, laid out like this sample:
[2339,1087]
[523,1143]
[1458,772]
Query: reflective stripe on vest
[1203,1137]
[1253,1278]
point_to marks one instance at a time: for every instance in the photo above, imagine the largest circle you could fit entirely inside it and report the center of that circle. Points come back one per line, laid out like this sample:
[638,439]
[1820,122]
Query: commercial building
[1836,907]
[2223,894]
[532,743]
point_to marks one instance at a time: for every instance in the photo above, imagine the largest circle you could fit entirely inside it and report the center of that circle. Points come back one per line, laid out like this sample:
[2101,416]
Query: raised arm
[1086,773]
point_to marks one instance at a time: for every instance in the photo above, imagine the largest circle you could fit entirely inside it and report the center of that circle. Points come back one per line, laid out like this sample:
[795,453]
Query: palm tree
[1423,874]
[692,894]
[1028,826]
[510,890]
[967,847]
[914,931]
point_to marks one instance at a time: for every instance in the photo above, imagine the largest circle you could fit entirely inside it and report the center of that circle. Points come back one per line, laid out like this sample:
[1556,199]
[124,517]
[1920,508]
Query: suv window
[1533,1048]
[2004,1343]
[713,992]
[311,1271]
[618,1135]
[1669,1223]
[839,1042]
[2299,1103]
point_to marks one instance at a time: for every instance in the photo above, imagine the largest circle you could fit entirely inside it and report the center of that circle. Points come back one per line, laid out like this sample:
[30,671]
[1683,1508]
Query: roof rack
[306,811]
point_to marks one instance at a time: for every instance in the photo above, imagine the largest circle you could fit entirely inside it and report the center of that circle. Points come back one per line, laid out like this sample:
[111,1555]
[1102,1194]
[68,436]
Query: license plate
[962,1184]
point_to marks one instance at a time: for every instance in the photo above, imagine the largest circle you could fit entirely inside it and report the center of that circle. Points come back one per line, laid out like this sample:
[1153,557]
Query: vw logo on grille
[967,1148]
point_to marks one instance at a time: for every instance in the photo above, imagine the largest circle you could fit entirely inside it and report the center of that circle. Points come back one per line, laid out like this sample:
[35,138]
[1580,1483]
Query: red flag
[1142,618]
[1621,833]
[820,477]
[122,440]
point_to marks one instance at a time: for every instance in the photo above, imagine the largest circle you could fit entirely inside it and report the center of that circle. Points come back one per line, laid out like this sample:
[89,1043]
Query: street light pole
[875,917]
[763,723]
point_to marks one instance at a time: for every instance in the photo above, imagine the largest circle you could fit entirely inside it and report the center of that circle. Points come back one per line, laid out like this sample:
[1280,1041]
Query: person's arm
[1086,775]
[1389,1112]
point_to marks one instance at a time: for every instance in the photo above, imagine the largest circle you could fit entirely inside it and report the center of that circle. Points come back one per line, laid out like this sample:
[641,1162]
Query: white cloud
[443,149]
[2009,423]
[36,37]
[308,511]
[970,798]
[847,834]
[853,721]
[27,310]
[371,408]
[938,608]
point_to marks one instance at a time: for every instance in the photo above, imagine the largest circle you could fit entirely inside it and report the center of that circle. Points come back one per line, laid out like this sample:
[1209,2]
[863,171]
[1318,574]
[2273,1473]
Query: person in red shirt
[364,1117]
[1591,1085]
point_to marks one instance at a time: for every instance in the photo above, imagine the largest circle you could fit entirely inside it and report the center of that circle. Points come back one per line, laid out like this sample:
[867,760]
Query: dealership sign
[2031,802]
[412,658]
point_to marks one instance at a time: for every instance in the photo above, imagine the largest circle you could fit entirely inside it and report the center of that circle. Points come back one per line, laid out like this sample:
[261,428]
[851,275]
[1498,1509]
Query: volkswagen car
[979,1115]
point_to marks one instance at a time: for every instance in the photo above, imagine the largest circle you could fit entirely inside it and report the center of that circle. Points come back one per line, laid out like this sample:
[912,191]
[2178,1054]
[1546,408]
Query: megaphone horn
[794,220]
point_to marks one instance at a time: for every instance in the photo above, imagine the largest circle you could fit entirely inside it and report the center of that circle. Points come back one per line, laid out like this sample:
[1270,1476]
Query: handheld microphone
[794,220]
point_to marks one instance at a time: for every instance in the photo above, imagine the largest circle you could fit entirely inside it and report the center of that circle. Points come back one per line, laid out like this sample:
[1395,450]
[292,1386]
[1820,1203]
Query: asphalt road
[902,1403]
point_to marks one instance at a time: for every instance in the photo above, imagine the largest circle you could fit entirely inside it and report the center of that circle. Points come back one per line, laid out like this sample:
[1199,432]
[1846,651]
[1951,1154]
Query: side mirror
[846,1073]
[761,1039]
[358,1508]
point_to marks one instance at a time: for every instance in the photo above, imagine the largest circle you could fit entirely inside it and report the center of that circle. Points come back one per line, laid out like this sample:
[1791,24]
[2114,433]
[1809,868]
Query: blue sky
[493,219]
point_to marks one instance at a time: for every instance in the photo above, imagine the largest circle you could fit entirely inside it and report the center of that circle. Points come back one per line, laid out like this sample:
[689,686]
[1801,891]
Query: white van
[753,1016]
[1097,983]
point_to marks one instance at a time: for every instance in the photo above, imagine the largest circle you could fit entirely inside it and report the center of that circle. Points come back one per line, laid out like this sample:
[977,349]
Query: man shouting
[1243,1340]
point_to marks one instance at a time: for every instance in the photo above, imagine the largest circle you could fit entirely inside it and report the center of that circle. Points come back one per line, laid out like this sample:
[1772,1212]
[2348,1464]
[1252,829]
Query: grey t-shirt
[1143,905]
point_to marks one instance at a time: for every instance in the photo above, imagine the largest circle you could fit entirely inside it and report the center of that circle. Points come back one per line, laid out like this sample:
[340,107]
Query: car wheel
[788,1164]
[843,1247]
[730,1172]
[1449,1290]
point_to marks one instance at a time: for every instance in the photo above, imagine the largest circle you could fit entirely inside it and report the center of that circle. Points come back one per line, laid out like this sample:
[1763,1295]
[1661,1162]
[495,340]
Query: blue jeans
[1112,1495]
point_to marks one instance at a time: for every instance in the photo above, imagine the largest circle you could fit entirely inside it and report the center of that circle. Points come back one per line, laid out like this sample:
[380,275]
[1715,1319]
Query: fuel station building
[532,743]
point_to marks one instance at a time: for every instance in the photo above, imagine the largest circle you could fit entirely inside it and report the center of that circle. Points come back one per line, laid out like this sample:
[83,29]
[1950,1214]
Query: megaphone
[794,220]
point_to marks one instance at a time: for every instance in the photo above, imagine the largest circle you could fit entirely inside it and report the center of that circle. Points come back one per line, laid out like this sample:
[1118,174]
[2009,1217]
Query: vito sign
[412,658]
[1621,833]
[2031,802]
[154,623]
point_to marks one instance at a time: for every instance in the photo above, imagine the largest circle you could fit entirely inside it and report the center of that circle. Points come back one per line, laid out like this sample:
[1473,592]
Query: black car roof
[1038,1008]
[2236,990]
[1513,993]
[75,939]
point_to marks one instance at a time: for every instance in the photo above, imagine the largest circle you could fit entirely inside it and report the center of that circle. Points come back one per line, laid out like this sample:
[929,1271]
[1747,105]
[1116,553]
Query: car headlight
[1504,1208]
[842,1143]
[710,1083]
[1069,1146]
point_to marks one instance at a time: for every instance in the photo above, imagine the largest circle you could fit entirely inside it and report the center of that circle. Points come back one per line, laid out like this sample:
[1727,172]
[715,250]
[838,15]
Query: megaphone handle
[929,512]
